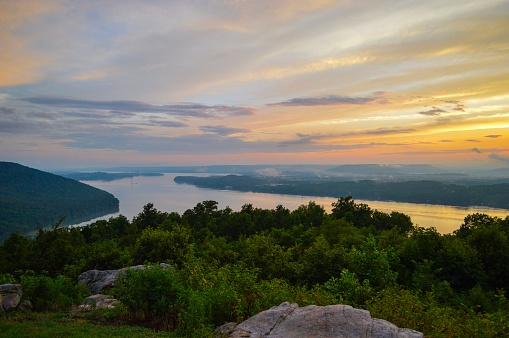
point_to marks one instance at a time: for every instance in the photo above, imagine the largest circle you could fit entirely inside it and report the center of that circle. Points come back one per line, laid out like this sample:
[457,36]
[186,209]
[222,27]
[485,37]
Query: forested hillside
[427,192]
[32,199]
[228,265]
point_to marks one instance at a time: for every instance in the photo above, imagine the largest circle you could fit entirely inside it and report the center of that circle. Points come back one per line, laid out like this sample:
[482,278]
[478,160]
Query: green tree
[358,214]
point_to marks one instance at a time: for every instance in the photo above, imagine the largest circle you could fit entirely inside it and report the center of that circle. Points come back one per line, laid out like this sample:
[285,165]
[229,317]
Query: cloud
[309,139]
[7,111]
[433,112]
[169,124]
[331,100]
[499,157]
[303,139]
[445,141]
[472,140]
[386,131]
[476,150]
[493,136]
[223,130]
[182,109]
[459,107]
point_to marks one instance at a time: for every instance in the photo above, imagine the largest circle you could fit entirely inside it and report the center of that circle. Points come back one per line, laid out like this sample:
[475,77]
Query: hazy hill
[32,199]
[384,169]
[102,176]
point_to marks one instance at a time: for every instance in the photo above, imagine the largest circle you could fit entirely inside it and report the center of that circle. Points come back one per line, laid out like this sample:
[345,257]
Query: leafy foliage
[229,265]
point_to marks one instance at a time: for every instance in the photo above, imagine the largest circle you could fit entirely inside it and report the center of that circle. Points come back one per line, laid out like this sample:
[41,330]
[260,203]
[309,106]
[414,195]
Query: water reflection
[168,196]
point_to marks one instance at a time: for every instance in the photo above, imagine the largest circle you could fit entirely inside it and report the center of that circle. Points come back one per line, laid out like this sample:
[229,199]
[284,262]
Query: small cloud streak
[472,140]
[498,157]
[433,112]
[223,130]
[169,124]
[493,136]
[331,100]
[476,150]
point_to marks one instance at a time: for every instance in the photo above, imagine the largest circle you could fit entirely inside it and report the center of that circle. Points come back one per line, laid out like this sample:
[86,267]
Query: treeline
[427,192]
[229,265]
[103,176]
[31,199]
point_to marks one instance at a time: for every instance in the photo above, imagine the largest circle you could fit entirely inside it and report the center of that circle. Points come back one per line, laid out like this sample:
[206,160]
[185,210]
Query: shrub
[151,295]
[50,294]
[348,289]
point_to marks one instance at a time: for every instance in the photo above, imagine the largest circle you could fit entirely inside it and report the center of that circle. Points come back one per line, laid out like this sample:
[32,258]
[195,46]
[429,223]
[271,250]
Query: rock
[290,320]
[98,301]
[26,306]
[97,280]
[10,295]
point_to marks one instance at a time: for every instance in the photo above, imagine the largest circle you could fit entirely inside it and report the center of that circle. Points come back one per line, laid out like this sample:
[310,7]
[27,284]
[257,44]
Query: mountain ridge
[31,199]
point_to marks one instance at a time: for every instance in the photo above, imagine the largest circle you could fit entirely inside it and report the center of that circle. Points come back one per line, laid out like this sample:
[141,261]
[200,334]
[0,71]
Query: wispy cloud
[476,150]
[223,130]
[433,112]
[183,109]
[331,100]
[168,124]
[493,136]
[498,157]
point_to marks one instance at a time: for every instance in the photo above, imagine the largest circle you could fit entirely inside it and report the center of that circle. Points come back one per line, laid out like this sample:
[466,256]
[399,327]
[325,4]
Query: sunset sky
[110,83]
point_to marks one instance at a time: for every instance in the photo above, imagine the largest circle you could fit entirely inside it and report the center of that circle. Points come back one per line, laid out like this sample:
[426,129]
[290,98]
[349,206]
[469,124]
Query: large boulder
[10,295]
[97,280]
[290,320]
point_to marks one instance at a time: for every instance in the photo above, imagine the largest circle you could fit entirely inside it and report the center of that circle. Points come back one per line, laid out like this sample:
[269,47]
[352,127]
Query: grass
[67,324]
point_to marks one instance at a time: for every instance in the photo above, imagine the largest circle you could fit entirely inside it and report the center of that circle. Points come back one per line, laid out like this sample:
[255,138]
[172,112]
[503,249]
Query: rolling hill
[31,199]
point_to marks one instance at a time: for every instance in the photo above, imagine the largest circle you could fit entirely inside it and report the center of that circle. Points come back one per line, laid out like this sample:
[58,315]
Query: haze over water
[168,196]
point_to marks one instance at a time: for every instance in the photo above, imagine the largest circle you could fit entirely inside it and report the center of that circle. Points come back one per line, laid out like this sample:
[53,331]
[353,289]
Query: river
[168,196]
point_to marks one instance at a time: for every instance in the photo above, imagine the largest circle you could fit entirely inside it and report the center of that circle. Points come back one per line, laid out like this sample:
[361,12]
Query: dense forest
[229,265]
[31,199]
[427,192]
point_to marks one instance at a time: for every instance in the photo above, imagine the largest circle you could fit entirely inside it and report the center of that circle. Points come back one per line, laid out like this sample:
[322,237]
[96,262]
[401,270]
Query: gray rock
[97,280]
[10,295]
[98,301]
[26,306]
[289,320]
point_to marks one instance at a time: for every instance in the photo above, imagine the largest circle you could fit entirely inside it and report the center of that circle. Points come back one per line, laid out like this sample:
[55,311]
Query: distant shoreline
[419,192]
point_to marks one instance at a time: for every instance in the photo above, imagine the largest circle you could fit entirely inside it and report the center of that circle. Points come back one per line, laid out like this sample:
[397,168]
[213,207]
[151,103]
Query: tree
[358,214]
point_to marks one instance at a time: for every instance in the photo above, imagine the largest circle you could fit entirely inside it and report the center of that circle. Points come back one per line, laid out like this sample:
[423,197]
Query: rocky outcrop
[98,301]
[10,295]
[97,280]
[290,320]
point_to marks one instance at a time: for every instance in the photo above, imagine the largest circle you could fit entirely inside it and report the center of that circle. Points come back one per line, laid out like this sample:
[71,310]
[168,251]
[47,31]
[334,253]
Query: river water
[168,196]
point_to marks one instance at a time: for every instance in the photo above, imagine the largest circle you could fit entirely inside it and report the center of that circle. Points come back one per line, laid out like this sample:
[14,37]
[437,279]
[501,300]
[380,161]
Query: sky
[113,83]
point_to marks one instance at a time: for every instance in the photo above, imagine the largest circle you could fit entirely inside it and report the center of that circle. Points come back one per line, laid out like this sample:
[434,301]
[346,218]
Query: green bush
[406,309]
[50,294]
[151,295]
[348,289]
[6,278]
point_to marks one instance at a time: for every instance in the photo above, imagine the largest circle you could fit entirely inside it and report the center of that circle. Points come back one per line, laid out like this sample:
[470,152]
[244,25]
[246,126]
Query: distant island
[417,191]
[103,176]
[31,199]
